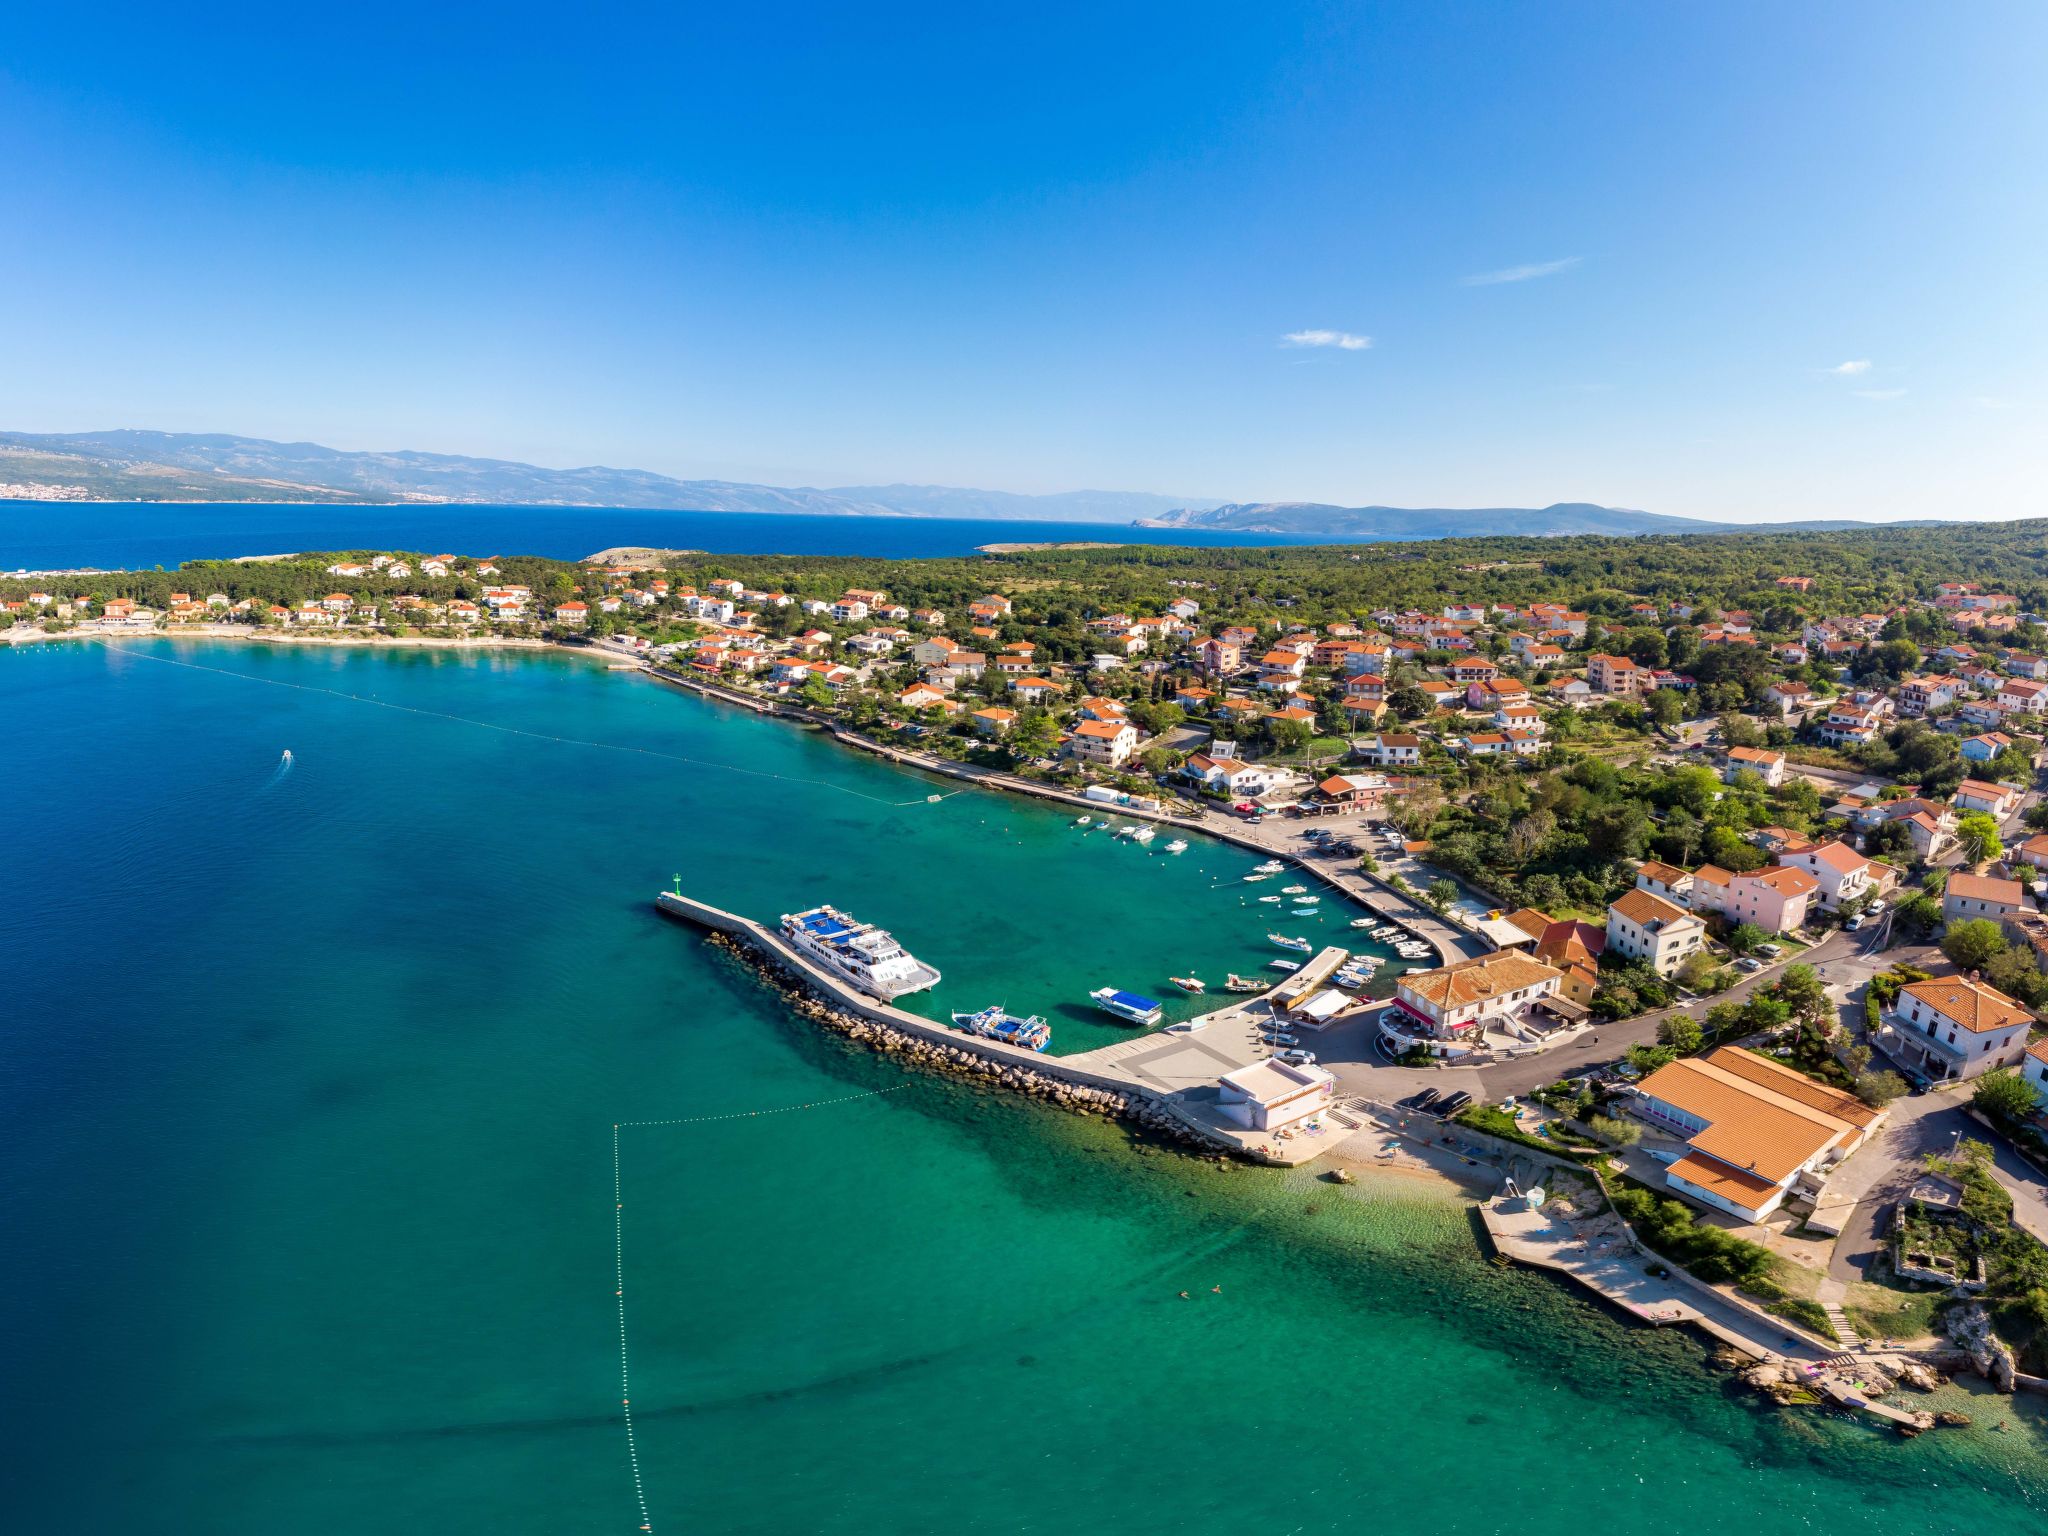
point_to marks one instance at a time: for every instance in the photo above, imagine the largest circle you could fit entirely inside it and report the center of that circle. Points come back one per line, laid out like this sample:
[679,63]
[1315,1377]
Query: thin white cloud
[1850,370]
[1521,274]
[1879,394]
[1342,340]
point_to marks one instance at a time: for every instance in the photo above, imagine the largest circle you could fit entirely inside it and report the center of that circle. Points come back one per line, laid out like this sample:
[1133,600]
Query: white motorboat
[1270,867]
[1189,983]
[1273,899]
[1294,890]
[1178,845]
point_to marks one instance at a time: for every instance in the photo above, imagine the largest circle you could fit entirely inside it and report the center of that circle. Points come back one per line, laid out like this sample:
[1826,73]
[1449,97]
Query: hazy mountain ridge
[188,466]
[1298,518]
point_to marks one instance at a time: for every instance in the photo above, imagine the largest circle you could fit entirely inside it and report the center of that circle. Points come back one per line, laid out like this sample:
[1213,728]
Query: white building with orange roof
[1458,1002]
[1756,1133]
[1647,927]
[1105,743]
[1766,764]
[1842,873]
[1953,1027]
[2034,1068]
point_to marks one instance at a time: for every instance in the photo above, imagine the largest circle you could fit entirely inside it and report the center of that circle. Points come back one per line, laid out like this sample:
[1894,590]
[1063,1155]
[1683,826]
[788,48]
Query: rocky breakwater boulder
[1780,1381]
[1970,1326]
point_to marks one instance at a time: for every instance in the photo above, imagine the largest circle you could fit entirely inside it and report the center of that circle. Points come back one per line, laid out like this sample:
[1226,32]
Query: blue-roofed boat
[1127,1005]
[998,1023]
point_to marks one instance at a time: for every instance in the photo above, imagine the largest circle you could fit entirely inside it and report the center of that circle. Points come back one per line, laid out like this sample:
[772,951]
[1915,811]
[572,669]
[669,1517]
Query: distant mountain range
[1314,519]
[186,466]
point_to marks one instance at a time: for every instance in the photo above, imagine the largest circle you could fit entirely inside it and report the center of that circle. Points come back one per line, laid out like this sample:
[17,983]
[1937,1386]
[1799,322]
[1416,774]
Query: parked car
[1771,951]
[1452,1105]
[1749,963]
[1298,1058]
[1856,922]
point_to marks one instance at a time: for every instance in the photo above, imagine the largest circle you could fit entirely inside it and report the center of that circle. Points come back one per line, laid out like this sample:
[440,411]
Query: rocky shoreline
[961,1061]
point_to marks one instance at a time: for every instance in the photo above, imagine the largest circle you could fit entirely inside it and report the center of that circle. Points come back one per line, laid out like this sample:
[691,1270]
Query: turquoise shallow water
[306,1110]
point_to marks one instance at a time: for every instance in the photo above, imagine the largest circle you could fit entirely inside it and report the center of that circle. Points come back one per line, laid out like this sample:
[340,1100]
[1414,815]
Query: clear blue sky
[1754,260]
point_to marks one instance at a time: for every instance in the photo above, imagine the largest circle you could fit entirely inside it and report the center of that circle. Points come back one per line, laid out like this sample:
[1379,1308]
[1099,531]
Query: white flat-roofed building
[1272,1094]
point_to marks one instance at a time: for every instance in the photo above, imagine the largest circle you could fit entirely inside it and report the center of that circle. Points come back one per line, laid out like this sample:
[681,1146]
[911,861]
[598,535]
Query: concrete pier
[1184,1093]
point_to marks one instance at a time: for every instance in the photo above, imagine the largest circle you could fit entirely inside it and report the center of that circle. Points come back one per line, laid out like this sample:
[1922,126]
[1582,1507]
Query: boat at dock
[1366,922]
[1294,890]
[1128,1006]
[1236,983]
[1308,901]
[1254,879]
[1270,867]
[1142,834]
[1283,965]
[1189,983]
[998,1023]
[858,952]
[1274,899]
[1299,946]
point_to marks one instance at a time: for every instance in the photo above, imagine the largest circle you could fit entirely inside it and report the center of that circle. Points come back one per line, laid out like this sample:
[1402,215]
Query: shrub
[2004,1097]
[1810,1315]
[1617,1133]
[1710,1253]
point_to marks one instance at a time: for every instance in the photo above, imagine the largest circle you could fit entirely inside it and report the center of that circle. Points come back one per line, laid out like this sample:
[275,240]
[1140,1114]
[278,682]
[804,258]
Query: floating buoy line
[513,730]
[619,1255]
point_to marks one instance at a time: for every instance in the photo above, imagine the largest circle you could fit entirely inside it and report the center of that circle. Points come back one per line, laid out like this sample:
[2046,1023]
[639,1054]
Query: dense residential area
[1781,827]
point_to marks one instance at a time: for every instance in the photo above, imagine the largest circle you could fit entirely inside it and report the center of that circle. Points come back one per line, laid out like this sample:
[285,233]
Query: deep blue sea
[42,535]
[311,1223]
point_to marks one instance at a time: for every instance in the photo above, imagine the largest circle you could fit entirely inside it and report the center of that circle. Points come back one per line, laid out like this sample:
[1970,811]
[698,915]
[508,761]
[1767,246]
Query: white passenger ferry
[857,952]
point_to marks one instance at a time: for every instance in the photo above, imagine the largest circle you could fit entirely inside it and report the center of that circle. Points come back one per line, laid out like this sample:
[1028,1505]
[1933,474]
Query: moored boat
[1189,983]
[1178,845]
[1294,890]
[1128,1006]
[1236,983]
[998,1023]
[1283,965]
[858,952]
[1300,946]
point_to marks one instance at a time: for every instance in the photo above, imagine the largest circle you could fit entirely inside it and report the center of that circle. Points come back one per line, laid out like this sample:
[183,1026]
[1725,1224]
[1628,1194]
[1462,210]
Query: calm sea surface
[307,1102]
[38,535]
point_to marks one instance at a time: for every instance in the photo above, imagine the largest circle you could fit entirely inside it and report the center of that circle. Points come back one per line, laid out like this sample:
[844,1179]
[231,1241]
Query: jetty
[1166,1081]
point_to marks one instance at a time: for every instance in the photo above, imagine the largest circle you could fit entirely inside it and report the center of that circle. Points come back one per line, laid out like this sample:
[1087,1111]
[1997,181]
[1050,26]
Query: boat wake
[284,766]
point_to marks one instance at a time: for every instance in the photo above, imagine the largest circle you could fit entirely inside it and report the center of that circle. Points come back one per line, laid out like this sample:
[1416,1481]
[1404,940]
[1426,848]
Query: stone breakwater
[962,1061]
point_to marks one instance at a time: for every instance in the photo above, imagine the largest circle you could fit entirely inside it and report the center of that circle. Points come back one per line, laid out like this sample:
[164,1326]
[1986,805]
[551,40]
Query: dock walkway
[1175,1073]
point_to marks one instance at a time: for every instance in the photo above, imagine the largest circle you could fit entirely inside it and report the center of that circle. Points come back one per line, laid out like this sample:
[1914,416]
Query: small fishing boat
[1236,983]
[1255,879]
[1178,845]
[1361,922]
[1299,946]
[1270,867]
[1084,821]
[1142,834]
[998,1023]
[1282,965]
[1294,890]
[1189,983]
[1308,901]
[1273,899]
